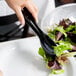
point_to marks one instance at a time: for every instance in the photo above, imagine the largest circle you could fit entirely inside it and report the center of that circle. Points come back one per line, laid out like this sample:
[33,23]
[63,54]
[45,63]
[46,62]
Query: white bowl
[59,13]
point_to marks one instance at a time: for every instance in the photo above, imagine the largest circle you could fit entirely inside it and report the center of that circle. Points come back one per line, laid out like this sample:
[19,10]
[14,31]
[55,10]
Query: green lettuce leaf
[51,35]
[70,28]
[57,71]
[59,49]
[61,29]
[41,52]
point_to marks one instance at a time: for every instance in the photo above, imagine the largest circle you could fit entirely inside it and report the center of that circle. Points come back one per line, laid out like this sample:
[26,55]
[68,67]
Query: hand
[1,74]
[18,5]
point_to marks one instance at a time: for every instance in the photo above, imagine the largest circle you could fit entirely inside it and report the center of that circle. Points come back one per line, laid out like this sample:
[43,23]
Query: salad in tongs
[64,36]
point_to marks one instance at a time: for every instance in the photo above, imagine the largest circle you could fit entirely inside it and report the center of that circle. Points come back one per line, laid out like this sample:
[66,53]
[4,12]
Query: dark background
[62,2]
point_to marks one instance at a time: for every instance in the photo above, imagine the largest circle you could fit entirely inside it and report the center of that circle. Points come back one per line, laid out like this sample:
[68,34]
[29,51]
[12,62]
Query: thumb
[20,15]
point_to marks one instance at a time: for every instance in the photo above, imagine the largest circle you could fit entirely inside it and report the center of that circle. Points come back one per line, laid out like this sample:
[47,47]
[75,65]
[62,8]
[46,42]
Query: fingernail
[36,20]
[23,23]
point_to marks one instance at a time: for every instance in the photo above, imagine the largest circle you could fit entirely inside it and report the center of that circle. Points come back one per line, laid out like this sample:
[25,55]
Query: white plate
[20,58]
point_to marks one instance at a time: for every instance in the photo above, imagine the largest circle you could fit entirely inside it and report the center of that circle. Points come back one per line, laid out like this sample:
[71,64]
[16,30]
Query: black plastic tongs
[46,42]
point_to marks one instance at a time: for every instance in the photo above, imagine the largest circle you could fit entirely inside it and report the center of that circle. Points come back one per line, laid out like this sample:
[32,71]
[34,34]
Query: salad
[64,36]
